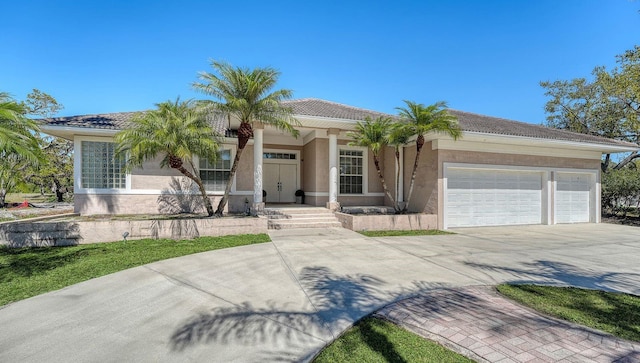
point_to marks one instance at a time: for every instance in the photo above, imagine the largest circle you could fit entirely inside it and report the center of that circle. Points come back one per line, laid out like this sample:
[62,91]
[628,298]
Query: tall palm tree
[17,131]
[176,130]
[374,135]
[247,95]
[421,120]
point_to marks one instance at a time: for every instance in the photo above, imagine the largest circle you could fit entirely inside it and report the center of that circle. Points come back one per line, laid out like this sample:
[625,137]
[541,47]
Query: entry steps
[300,217]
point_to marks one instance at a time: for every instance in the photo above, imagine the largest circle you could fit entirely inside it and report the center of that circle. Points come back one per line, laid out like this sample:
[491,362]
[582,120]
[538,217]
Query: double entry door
[280,181]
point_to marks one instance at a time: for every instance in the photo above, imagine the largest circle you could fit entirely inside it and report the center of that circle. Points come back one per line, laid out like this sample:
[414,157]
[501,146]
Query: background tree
[247,95]
[621,190]
[55,172]
[421,120]
[374,135]
[608,105]
[176,130]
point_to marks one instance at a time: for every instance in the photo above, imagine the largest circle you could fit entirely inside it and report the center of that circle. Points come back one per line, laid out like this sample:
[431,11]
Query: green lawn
[26,272]
[614,313]
[377,340]
[418,232]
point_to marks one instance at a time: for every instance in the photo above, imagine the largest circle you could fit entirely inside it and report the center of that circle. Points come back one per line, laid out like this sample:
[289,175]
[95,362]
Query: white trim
[79,131]
[317,194]
[446,142]
[365,169]
[77,168]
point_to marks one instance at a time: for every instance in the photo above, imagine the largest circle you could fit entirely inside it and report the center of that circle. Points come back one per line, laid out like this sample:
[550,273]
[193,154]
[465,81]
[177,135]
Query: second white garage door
[573,192]
[479,197]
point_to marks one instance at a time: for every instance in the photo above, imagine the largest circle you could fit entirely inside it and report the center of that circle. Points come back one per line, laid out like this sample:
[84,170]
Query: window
[284,156]
[215,175]
[351,170]
[101,169]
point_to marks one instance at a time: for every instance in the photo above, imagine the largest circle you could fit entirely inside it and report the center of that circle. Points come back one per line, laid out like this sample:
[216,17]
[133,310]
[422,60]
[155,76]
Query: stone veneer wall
[67,233]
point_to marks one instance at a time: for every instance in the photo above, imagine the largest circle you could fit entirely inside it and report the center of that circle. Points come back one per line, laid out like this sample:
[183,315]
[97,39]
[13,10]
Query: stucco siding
[424,198]
[309,167]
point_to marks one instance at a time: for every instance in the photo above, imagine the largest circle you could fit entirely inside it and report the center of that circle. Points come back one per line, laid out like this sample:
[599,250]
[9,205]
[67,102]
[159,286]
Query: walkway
[481,324]
[284,301]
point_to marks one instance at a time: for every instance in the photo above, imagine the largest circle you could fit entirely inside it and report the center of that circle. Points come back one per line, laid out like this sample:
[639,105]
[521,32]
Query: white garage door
[477,197]
[573,192]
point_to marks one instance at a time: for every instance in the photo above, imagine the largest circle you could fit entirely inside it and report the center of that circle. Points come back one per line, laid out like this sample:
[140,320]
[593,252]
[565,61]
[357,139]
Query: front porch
[319,163]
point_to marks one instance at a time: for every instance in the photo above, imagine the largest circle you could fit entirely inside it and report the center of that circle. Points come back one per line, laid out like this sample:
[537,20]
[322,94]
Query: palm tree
[17,131]
[421,120]
[247,95]
[178,131]
[373,134]
[19,146]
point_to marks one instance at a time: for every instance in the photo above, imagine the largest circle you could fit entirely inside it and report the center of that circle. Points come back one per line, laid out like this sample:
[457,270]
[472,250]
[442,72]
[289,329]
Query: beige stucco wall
[424,198]
[244,174]
[309,167]
[152,176]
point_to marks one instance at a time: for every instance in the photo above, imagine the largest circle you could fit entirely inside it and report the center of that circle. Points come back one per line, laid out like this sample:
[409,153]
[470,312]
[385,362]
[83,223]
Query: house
[501,172]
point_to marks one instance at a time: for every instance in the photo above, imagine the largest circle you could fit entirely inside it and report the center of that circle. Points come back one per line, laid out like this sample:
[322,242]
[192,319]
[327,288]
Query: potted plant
[299,196]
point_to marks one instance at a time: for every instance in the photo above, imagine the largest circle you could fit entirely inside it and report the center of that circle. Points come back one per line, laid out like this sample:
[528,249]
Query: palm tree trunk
[384,184]
[203,191]
[232,173]
[414,172]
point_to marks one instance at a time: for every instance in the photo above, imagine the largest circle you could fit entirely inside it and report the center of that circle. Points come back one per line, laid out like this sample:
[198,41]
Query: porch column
[333,169]
[400,181]
[258,204]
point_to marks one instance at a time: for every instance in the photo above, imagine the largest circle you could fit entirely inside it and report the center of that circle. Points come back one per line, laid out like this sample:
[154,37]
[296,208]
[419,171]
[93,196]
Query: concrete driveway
[283,301]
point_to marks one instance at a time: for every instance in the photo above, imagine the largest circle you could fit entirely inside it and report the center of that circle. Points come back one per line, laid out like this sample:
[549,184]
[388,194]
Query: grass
[417,232]
[26,272]
[377,340]
[615,313]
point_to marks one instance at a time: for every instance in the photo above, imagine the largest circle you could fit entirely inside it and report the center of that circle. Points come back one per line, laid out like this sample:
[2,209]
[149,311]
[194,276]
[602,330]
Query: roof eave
[567,144]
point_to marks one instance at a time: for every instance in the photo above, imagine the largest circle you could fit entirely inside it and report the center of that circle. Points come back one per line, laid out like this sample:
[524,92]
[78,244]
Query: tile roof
[113,121]
[322,108]
[469,122]
[472,122]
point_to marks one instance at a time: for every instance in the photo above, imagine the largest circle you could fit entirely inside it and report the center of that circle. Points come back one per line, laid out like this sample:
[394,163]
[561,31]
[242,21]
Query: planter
[387,222]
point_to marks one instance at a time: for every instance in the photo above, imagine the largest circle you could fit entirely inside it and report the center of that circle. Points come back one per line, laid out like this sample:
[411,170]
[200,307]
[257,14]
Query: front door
[280,181]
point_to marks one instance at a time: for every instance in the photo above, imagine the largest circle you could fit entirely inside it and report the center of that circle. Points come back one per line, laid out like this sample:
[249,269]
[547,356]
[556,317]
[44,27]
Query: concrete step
[300,216]
[293,224]
[296,211]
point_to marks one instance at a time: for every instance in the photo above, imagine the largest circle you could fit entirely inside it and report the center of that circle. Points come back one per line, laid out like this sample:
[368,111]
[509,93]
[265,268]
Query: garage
[573,197]
[486,197]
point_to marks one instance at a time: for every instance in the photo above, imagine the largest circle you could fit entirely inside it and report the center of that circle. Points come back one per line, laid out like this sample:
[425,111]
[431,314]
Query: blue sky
[486,57]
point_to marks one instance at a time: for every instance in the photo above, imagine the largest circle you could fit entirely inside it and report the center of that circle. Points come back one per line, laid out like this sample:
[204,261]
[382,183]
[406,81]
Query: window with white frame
[101,169]
[215,175]
[351,171]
